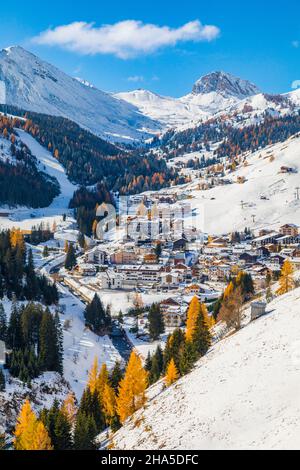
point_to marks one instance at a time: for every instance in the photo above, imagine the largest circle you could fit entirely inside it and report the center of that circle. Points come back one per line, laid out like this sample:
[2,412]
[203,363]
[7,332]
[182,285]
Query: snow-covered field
[243,395]
[266,199]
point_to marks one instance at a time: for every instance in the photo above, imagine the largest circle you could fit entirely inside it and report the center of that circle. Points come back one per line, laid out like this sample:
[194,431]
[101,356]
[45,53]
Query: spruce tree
[14,338]
[201,339]
[49,349]
[85,432]
[116,376]
[3,324]
[62,432]
[96,316]
[2,381]
[156,322]
[70,261]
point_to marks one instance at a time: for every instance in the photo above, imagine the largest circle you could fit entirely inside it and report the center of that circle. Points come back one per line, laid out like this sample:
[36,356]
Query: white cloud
[136,78]
[296,84]
[125,39]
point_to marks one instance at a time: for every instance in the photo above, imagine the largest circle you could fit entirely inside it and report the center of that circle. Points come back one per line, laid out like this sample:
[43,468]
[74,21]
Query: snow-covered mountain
[224,84]
[211,94]
[170,112]
[35,85]
[242,395]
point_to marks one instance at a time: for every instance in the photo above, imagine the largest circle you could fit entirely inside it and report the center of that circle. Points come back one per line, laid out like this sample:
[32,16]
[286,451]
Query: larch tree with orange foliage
[286,280]
[30,433]
[69,408]
[41,439]
[109,403]
[131,396]
[192,315]
[172,374]
[93,376]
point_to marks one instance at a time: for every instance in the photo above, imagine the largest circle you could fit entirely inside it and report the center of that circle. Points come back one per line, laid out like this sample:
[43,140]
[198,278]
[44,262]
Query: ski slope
[266,200]
[243,395]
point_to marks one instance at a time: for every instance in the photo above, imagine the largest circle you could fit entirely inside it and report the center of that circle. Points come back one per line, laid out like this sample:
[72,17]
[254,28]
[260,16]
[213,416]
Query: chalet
[174,312]
[180,244]
[86,269]
[263,252]
[170,280]
[277,260]
[248,258]
[123,257]
[290,230]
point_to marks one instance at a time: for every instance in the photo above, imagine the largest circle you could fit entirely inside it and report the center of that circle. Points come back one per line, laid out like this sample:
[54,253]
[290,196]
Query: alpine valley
[149,264]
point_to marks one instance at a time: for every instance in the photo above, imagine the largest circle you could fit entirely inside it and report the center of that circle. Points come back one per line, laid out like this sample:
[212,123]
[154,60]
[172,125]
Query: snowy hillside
[26,217]
[243,395]
[35,85]
[171,112]
[266,199]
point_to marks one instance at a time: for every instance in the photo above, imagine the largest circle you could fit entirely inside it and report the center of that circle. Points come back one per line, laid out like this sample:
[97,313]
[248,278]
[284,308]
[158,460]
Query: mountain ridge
[35,85]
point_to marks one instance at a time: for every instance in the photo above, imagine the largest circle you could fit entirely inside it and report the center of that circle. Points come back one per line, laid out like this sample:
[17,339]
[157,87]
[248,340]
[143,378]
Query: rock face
[225,84]
[34,85]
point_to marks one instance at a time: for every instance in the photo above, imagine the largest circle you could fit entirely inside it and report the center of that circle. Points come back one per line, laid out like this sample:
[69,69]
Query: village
[159,254]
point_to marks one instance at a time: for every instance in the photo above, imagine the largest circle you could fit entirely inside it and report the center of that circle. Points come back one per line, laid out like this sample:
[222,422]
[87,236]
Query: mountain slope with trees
[224,403]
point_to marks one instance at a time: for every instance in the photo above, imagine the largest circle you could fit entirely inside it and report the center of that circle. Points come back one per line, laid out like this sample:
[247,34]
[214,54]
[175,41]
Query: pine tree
[148,362]
[90,405]
[85,432]
[70,261]
[2,381]
[96,317]
[14,337]
[32,288]
[173,349]
[45,252]
[62,431]
[286,280]
[132,388]
[116,376]
[49,349]
[156,322]
[201,338]
[3,324]
[59,344]
[172,373]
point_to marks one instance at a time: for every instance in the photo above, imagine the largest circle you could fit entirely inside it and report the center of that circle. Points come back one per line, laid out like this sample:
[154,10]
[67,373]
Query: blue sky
[256,40]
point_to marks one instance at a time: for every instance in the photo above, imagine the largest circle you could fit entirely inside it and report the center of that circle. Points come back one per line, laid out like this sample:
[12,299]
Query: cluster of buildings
[176,269]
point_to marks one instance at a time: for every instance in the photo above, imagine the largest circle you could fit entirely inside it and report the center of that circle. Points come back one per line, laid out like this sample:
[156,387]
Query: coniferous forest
[20,180]
[17,273]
